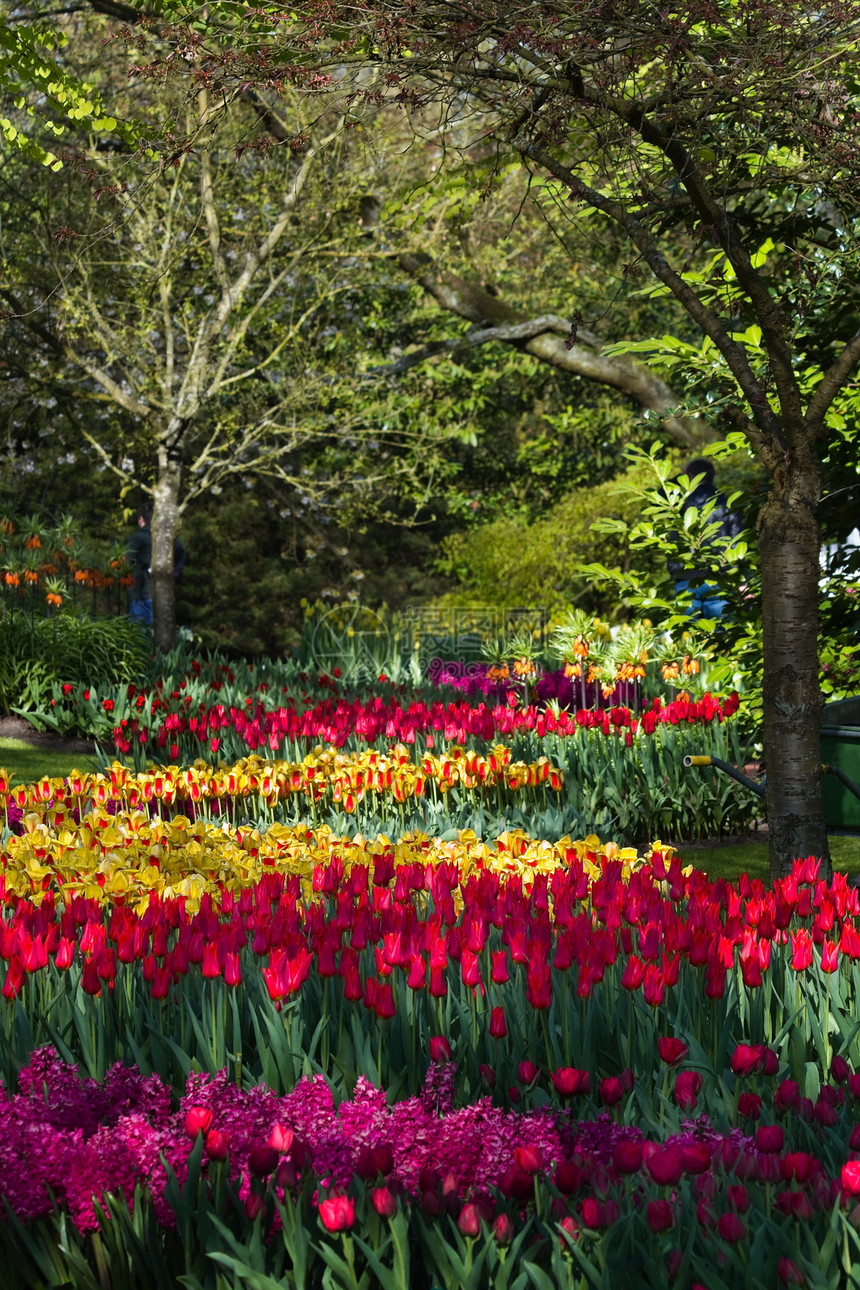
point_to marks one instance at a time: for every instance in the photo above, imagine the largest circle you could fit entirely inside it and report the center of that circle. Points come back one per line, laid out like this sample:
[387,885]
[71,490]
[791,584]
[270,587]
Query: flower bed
[373,1187]
[412,1059]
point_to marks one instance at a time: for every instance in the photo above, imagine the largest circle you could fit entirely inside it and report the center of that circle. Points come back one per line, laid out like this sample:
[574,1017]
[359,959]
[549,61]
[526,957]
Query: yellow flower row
[346,776]
[128,856]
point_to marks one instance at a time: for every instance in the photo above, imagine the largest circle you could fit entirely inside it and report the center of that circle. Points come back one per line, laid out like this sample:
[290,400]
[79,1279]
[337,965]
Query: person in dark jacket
[140,556]
[707,601]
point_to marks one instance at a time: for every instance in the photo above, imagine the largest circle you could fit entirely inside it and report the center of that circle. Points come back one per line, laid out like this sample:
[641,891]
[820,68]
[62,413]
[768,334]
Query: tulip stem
[350,1257]
[550,1064]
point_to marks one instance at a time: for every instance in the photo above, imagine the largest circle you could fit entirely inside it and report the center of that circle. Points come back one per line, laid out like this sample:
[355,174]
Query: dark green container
[840,746]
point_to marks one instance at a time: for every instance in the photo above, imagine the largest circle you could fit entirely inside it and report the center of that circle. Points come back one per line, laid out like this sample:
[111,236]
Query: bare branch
[124,475]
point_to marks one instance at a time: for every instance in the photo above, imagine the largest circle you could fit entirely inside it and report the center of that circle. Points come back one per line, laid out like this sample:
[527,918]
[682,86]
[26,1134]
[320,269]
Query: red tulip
[748,1059]
[799,1165]
[731,1228]
[498,1025]
[665,1165]
[384,1202]
[570,1082]
[801,950]
[627,1156]
[634,972]
[660,1215]
[671,1049]
[570,1228]
[749,1105]
[217,1144]
[503,1229]
[254,1205]
[337,1214]
[611,1090]
[281,1138]
[829,956]
[527,1073]
[440,1049]
[840,1070]
[688,1085]
[263,1160]
[789,1273]
[197,1120]
[695,1157]
[529,1158]
[469,1221]
[851,1178]
[787,1096]
[770,1138]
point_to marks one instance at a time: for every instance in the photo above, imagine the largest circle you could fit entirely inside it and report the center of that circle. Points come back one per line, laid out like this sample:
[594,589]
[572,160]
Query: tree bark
[165,523]
[789,543]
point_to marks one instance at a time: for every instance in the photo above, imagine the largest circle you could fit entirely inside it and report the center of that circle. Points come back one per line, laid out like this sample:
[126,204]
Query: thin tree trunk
[789,543]
[165,523]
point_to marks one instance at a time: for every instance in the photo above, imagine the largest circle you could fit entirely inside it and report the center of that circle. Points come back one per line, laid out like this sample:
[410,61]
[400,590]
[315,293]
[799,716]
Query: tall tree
[194,303]
[734,121]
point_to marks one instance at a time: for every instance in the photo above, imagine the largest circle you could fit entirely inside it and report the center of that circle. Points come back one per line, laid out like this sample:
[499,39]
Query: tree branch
[766,310]
[470,301]
[829,387]
[734,353]
[506,331]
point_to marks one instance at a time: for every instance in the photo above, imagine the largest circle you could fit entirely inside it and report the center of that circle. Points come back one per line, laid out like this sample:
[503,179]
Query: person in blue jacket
[140,557]
[706,599]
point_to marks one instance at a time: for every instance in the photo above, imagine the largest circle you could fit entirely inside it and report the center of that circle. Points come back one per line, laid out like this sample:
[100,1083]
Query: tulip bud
[529,1158]
[527,1073]
[839,1069]
[503,1229]
[262,1160]
[281,1138]
[254,1205]
[197,1120]
[384,1202]
[660,1216]
[440,1049]
[217,1145]
[469,1221]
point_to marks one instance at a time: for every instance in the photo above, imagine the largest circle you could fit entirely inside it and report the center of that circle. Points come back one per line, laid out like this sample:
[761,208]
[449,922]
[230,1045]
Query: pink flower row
[79,1140]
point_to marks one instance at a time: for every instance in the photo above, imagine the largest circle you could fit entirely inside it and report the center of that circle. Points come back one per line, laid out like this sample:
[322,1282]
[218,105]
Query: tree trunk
[165,523]
[789,542]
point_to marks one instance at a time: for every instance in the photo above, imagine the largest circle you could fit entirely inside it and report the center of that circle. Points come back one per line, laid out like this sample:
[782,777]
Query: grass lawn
[27,763]
[751,858]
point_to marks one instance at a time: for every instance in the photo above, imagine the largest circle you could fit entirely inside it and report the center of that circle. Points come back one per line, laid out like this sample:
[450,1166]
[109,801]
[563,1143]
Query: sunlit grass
[26,763]
[752,858]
